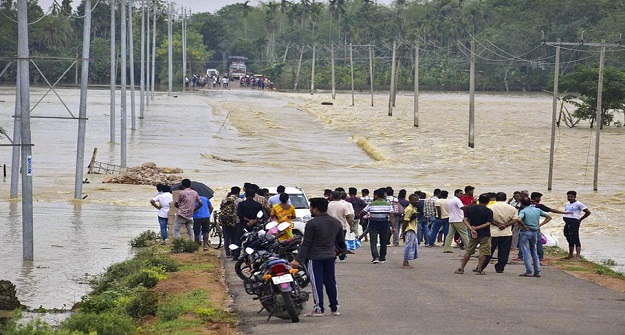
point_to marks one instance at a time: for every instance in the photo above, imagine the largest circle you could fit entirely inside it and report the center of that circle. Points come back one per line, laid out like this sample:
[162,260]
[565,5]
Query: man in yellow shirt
[409,232]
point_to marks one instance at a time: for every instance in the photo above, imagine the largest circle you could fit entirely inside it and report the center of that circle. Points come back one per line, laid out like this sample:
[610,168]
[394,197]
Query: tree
[584,80]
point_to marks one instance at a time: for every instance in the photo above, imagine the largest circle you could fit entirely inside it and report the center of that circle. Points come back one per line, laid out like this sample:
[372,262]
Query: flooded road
[226,138]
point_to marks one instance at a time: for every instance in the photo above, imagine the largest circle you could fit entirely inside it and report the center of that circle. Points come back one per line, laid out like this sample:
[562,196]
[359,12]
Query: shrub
[165,263]
[142,304]
[102,324]
[114,274]
[33,327]
[146,277]
[145,239]
[211,315]
[183,245]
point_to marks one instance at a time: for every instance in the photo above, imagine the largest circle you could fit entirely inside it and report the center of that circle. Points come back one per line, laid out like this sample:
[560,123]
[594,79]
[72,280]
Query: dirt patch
[201,270]
[588,271]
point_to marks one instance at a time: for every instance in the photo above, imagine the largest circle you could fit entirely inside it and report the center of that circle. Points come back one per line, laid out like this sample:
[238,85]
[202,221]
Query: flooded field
[225,138]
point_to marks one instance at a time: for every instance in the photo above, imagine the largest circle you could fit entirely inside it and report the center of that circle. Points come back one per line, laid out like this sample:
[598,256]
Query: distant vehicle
[212,73]
[237,67]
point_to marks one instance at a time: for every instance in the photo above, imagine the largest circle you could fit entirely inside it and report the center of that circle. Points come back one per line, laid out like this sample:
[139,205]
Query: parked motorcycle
[270,277]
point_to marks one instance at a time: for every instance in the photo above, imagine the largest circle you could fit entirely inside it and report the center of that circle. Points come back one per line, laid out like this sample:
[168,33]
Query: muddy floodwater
[227,137]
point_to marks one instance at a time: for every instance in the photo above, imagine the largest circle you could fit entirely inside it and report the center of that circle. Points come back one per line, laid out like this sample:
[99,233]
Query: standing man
[422,224]
[478,220]
[398,211]
[504,216]
[228,217]
[408,226]
[323,234]
[442,219]
[275,199]
[456,217]
[201,222]
[161,202]
[342,211]
[358,205]
[381,223]
[572,223]
[188,202]
[430,213]
[535,198]
[246,211]
[529,218]
[364,218]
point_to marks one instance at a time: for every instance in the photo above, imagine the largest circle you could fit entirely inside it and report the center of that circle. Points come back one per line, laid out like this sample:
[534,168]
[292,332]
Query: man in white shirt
[342,211]
[456,214]
[572,223]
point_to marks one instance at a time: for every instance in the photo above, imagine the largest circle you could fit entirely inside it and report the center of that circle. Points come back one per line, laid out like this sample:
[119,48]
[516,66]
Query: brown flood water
[227,137]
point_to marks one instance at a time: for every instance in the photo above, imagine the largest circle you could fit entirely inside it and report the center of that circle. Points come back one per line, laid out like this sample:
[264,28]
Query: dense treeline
[273,34]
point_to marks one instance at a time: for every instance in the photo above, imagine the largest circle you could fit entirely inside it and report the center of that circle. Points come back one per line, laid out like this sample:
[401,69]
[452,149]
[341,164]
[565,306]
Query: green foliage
[165,263]
[177,305]
[609,262]
[102,324]
[146,278]
[183,245]
[142,304]
[212,315]
[34,327]
[584,80]
[145,239]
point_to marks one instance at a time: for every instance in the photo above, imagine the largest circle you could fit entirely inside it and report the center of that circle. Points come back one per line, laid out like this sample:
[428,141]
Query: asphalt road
[431,299]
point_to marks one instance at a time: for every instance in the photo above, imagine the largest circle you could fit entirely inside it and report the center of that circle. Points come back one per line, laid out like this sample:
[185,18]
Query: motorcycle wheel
[289,307]
[242,269]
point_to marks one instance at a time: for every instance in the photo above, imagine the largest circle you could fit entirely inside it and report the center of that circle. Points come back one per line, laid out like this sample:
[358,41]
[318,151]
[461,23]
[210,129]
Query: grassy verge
[161,290]
[600,274]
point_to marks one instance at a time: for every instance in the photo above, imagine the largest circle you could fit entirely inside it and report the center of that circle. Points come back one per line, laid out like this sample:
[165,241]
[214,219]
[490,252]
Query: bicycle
[215,233]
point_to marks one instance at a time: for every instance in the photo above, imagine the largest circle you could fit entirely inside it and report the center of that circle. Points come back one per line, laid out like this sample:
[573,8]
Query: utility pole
[184,49]
[599,117]
[147,56]
[113,111]
[351,66]
[472,97]
[170,49]
[390,97]
[142,72]
[299,68]
[131,46]
[599,111]
[17,139]
[153,53]
[371,71]
[82,118]
[312,74]
[123,70]
[416,84]
[23,60]
[332,67]
[554,111]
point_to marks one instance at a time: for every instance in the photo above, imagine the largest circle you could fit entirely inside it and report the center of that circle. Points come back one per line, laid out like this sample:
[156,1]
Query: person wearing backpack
[228,217]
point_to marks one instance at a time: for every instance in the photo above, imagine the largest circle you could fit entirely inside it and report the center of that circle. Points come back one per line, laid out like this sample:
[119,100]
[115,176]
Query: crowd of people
[489,222]
[256,82]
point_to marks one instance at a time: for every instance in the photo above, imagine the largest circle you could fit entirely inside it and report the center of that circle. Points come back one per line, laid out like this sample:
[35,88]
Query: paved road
[431,299]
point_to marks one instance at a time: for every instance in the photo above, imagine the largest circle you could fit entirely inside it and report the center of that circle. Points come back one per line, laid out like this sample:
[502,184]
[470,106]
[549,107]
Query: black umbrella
[200,188]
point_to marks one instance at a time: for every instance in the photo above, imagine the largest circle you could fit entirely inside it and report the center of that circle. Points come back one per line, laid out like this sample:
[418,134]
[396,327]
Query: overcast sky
[196,6]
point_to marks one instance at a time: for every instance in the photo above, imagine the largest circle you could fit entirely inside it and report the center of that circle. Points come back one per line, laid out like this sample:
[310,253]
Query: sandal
[480,273]
[526,275]
[459,272]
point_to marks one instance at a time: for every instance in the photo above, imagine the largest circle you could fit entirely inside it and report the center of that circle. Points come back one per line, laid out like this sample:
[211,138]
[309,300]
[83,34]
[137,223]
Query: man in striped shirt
[381,224]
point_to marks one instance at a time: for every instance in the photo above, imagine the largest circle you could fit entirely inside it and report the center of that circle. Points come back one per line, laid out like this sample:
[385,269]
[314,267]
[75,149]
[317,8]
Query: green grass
[198,267]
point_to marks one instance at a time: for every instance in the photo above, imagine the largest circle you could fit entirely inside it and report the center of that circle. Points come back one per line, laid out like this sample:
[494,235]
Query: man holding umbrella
[188,202]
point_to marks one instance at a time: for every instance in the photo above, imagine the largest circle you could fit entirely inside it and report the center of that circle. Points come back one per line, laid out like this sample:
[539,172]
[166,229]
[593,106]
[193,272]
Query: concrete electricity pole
[113,111]
[142,62]
[23,59]
[124,68]
[82,118]
[131,47]
[170,49]
[472,96]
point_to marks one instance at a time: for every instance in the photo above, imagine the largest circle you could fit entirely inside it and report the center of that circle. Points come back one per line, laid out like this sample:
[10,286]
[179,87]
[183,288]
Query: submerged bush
[183,245]
[102,324]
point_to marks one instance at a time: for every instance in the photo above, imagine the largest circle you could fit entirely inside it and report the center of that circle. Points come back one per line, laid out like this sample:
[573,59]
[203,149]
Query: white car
[302,208]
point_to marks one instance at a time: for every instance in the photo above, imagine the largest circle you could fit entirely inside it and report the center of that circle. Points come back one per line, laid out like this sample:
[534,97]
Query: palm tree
[246,10]
[284,4]
[270,23]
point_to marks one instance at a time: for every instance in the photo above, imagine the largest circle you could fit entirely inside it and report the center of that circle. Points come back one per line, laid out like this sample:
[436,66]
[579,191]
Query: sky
[196,6]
